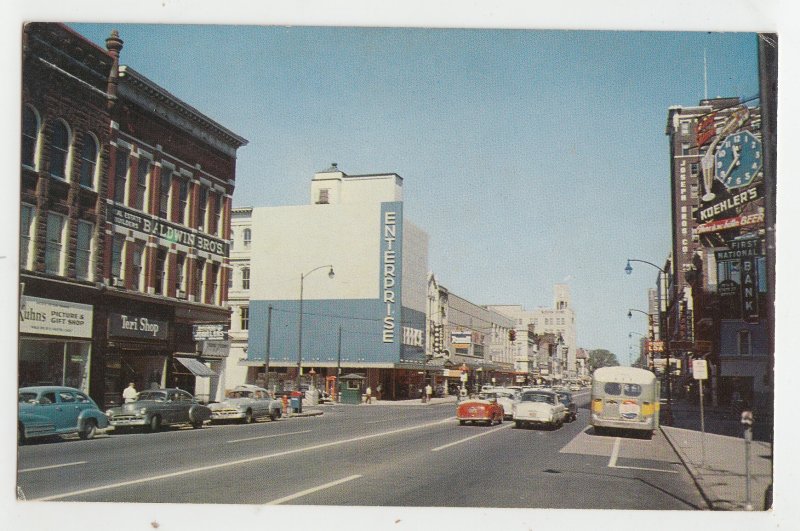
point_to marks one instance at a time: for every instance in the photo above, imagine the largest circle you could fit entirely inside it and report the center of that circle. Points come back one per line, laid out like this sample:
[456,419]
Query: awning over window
[196,368]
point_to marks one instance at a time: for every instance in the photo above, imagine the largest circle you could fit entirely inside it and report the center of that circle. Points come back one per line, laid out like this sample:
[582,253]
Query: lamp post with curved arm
[628,271]
[300,321]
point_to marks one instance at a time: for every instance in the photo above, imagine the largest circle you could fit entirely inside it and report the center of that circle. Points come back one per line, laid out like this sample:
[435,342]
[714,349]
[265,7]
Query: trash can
[296,404]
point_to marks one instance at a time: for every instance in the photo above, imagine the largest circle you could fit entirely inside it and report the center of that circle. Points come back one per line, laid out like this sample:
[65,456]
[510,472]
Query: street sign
[700,369]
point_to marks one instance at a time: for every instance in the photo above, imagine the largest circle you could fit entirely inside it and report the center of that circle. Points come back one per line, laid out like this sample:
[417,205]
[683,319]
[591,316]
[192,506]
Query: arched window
[88,160]
[30,135]
[59,146]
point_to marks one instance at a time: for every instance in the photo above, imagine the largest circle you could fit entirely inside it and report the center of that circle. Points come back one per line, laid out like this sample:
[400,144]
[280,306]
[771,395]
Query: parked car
[571,412]
[480,410]
[504,397]
[245,403]
[538,407]
[53,410]
[155,408]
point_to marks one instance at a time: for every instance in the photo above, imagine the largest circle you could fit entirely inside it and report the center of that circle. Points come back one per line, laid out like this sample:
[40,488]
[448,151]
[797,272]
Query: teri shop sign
[136,326]
[54,317]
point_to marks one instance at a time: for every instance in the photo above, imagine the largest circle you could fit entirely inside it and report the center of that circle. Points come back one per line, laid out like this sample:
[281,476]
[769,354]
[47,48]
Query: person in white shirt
[130,392]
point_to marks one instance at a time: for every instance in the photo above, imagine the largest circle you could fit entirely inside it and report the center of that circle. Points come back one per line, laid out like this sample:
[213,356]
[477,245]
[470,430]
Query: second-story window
[160,270]
[246,237]
[117,246]
[55,243]
[245,278]
[183,201]
[137,264]
[25,233]
[121,175]
[245,317]
[88,160]
[83,251]
[180,275]
[59,148]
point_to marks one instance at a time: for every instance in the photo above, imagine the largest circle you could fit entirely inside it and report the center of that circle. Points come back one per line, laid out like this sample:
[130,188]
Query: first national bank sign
[391,260]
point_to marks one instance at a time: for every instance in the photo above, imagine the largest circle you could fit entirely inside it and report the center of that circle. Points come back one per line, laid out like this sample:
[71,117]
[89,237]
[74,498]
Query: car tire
[248,417]
[517,424]
[500,420]
[197,424]
[462,422]
[274,415]
[155,423]
[21,440]
[89,430]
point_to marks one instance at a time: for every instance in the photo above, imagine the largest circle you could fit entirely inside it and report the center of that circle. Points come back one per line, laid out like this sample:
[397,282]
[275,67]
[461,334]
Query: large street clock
[738,159]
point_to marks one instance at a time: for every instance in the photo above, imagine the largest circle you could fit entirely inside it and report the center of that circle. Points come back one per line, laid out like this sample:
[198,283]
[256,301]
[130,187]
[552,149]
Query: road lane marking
[313,489]
[646,468]
[471,437]
[51,466]
[238,462]
[268,436]
[614,453]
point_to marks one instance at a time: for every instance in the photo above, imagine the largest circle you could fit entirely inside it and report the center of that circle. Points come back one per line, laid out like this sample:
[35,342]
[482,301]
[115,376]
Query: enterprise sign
[138,221]
[389,260]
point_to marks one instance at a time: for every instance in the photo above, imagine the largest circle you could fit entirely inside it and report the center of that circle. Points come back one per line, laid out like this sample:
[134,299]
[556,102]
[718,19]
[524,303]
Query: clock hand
[733,162]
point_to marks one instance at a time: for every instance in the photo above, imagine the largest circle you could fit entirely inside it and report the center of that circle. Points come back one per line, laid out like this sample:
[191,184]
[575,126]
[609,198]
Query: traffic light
[512,335]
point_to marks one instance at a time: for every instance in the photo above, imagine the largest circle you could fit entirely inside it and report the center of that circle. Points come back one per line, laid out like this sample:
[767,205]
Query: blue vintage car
[52,410]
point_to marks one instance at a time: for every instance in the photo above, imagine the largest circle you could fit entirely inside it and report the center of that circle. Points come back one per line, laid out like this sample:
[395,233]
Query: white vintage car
[245,403]
[538,407]
[505,397]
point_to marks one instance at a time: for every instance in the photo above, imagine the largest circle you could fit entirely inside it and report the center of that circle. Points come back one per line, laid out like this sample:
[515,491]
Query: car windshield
[27,397]
[156,396]
[240,394]
[537,397]
[487,396]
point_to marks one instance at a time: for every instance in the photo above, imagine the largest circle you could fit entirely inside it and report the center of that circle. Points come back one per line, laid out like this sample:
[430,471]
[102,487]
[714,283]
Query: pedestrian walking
[428,392]
[129,394]
[369,395]
[379,391]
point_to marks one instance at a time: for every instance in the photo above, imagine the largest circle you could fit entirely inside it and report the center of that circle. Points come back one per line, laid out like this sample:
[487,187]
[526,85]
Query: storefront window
[54,363]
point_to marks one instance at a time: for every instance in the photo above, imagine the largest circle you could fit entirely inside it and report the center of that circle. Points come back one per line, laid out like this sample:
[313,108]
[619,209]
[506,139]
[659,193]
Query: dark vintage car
[480,409]
[155,408]
[571,412]
[53,410]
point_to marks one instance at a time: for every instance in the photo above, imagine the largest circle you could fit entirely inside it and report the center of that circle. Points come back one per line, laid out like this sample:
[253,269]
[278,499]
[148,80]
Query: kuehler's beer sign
[138,221]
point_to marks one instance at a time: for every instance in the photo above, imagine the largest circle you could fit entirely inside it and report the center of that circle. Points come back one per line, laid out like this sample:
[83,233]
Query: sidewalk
[716,460]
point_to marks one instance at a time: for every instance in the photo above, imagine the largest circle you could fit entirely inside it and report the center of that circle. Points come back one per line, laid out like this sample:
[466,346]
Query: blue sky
[529,157]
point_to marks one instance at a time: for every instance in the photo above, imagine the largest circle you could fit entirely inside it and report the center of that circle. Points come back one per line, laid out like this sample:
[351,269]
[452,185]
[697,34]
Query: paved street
[368,455]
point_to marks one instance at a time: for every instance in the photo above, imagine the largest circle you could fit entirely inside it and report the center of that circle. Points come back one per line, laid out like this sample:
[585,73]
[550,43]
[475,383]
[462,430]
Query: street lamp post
[629,270]
[300,322]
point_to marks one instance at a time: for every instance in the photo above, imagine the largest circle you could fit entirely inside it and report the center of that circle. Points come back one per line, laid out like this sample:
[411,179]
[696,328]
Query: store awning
[195,367]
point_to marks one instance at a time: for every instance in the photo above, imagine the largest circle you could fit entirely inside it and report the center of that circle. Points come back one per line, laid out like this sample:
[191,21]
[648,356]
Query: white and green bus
[624,398]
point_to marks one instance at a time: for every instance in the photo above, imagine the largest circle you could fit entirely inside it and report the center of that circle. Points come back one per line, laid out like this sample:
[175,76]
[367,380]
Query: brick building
[125,218]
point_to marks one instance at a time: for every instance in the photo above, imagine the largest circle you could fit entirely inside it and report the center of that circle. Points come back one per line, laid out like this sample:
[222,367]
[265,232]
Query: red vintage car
[479,410]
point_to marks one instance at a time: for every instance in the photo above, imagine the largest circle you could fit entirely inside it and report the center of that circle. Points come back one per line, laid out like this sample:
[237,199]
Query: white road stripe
[236,462]
[268,436]
[471,437]
[645,468]
[51,466]
[614,453]
[311,490]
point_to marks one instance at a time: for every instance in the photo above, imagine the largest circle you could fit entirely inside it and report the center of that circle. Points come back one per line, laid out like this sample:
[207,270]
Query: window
[612,388]
[230,279]
[744,342]
[25,231]
[55,239]
[121,175]
[200,267]
[202,208]
[30,136]
[183,200]
[59,146]
[166,186]
[83,251]
[214,283]
[180,274]
[323,196]
[218,228]
[161,265]
[117,247]
[137,264]
[244,311]
[632,389]
[245,278]
[684,127]
[247,237]
[88,160]
[141,183]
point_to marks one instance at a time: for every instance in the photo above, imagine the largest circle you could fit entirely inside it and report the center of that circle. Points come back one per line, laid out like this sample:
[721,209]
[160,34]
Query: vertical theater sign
[730,216]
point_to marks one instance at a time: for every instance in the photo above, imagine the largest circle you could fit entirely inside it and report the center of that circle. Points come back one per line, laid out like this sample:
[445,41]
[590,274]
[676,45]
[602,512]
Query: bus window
[612,388]
[632,389]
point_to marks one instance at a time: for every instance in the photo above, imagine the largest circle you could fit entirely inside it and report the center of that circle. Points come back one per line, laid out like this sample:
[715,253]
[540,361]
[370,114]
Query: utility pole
[338,363]
[266,356]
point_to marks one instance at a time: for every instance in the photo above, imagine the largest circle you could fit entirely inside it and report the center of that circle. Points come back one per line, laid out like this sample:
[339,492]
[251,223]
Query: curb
[690,470]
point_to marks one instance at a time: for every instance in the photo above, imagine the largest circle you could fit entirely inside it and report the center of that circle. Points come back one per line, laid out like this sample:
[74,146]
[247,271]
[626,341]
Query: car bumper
[623,424]
[128,421]
[227,415]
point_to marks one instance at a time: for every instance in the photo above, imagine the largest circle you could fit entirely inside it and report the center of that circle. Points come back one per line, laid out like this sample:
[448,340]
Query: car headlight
[109,413]
[142,411]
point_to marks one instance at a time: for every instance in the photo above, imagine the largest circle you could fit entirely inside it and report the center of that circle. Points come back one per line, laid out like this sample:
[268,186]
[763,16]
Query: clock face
[738,159]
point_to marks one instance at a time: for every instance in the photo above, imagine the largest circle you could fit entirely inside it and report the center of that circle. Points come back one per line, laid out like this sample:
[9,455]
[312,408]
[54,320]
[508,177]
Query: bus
[625,398]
